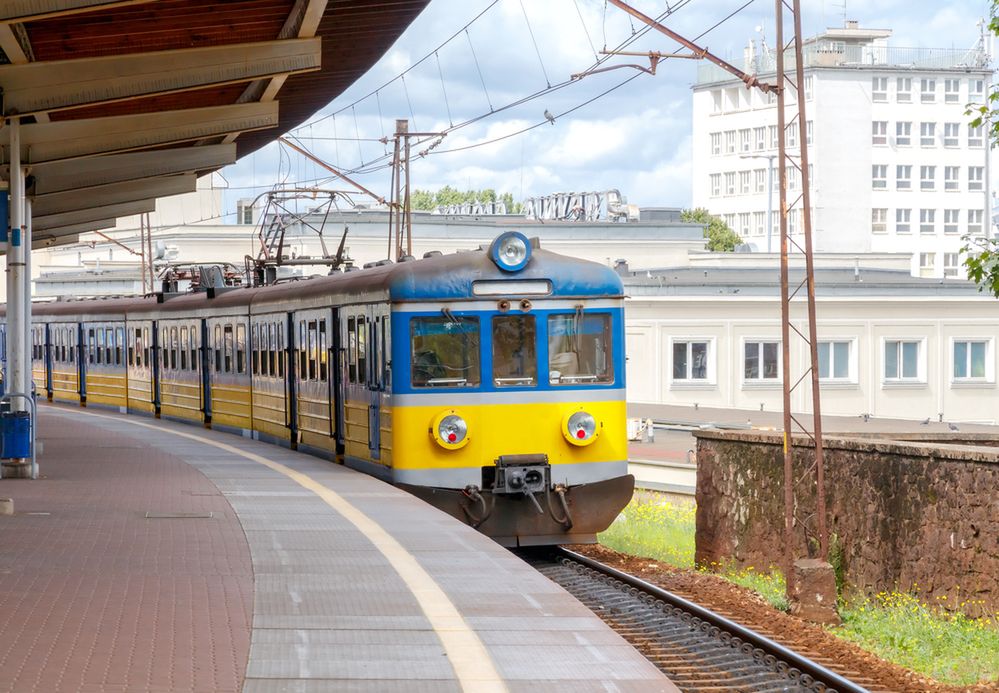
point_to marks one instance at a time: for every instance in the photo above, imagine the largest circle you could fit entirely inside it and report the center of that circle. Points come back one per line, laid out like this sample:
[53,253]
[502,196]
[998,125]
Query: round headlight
[580,428]
[450,430]
[511,251]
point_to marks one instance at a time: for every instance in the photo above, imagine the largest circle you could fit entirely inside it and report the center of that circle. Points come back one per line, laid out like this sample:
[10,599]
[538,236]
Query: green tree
[447,196]
[720,237]
[982,261]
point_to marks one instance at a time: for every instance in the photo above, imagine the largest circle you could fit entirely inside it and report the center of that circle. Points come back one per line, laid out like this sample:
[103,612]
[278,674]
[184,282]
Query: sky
[620,129]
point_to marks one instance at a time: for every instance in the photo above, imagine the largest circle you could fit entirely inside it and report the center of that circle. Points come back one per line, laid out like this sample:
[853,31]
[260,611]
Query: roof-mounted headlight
[510,251]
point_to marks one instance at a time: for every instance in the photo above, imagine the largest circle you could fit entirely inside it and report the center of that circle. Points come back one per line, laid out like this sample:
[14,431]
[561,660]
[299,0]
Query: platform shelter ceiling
[124,101]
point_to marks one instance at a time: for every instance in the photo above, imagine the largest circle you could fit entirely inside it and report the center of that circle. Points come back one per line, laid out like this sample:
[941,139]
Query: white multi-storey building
[894,163]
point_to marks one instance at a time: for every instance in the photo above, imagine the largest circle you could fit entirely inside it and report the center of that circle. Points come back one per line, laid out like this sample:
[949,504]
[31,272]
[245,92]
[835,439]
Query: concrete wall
[920,514]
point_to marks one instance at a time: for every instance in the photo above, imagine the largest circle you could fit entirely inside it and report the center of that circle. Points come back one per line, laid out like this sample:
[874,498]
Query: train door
[3,357]
[375,319]
[312,381]
[288,346]
[82,349]
[154,360]
[47,359]
[337,365]
[203,360]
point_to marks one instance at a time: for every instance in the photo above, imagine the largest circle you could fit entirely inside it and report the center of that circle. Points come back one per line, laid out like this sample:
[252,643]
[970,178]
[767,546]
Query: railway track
[699,650]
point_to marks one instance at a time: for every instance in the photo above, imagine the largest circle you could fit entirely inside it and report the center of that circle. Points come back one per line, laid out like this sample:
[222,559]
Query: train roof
[449,277]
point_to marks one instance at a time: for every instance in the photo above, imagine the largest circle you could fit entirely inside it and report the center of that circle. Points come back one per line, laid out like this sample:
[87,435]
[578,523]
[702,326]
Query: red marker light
[451,437]
[580,434]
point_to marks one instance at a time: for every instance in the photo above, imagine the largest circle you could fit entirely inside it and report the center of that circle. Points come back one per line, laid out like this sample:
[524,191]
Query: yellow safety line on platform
[468,656]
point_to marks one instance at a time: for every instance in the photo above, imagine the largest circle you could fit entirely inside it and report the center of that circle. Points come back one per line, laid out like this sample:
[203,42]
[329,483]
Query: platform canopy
[124,101]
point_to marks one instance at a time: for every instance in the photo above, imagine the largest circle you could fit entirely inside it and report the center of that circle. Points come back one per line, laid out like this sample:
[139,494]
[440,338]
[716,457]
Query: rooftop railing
[836,54]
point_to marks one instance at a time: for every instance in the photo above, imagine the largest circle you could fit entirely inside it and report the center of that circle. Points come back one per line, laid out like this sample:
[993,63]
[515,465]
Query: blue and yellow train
[490,382]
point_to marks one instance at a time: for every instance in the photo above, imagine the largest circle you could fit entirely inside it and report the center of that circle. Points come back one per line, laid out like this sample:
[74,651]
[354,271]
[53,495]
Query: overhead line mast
[787,242]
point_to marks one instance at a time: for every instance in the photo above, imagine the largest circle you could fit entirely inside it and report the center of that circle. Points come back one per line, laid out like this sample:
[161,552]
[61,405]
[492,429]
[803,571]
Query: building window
[879,132]
[971,360]
[975,136]
[952,176]
[879,89]
[902,360]
[879,176]
[903,90]
[927,90]
[759,221]
[976,176]
[976,89]
[744,223]
[772,136]
[950,264]
[927,134]
[951,223]
[902,220]
[760,135]
[791,134]
[760,175]
[715,184]
[690,360]
[952,88]
[745,140]
[716,101]
[835,361]
[715,143]
[927,264]
[927,221]
[793,177]
[903,134]
[808,87]
[927,177]
[730,183]
[730,221]
[903,177]
[761,361]
[808,132]
[792,221]
[730,142]
[951,134]
[744,182]
[879,220]
[975,221]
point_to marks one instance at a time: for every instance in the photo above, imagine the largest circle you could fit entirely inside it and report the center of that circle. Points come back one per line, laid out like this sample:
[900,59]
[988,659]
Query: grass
[944,645]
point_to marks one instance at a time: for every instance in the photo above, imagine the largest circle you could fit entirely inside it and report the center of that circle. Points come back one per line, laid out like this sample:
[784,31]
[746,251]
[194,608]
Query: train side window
[255,349]
[579,349]
[195,359]
[108,345]
[351,350]
[72,333]
[240,348]
[444,351]
[145,347]
[515,360]
[279,349]
[119,345]
[362,351]
[227,357]
[184,341]
[303,357]
[218,348]
[374,359]
[99,346]
[313,349]
[132,348]
[270,347]
[323,352]
[164,348]
[174,341]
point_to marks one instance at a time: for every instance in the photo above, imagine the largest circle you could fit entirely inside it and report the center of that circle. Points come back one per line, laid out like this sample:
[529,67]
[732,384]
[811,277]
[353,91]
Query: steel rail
[819,673]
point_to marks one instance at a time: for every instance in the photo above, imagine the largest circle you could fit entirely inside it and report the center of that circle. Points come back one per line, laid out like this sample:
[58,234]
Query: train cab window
[241,348]
[323,353]
[444,351]
[579,349]
[515,360]
[227,356]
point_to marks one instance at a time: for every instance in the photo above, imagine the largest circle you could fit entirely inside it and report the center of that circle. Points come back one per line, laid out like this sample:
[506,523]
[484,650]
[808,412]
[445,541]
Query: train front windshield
[579,349]
[445,351]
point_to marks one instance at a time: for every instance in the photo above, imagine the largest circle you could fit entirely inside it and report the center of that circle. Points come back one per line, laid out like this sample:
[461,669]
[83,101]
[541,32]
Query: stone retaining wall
[917,514]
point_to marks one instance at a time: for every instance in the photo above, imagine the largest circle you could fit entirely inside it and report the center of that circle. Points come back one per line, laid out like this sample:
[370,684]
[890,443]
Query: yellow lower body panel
[508,429]
[269,415]
[66,386]
[107,388]
[231,406]
[181,400]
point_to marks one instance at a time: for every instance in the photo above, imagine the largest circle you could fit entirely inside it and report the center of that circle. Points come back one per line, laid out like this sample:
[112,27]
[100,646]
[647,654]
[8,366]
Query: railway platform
[154,556]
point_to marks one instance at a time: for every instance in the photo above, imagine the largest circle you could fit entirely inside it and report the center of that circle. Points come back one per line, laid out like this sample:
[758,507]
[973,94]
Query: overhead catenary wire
[534,41]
